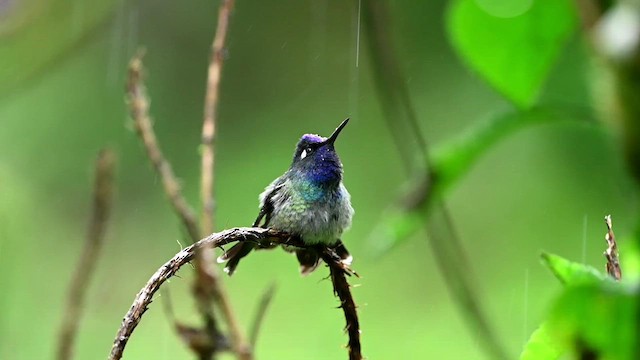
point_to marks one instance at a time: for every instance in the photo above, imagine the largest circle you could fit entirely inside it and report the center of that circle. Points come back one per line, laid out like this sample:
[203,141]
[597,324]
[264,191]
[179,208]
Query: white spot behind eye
[303,155]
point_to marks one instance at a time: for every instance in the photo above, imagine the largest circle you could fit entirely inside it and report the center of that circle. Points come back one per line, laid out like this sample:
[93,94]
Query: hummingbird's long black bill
[336,132]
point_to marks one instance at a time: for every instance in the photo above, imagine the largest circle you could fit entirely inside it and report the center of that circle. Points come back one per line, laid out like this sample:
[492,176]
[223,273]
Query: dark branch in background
[448,250]
[611,254]
[206,287]
[591,11]
[261,311]
[342,290]
[198,341]
[102,198]
[264,237]
[392,93]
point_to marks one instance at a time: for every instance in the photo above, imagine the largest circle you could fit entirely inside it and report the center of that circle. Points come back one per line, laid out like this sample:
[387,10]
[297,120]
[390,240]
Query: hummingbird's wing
[242,249]
[266,201]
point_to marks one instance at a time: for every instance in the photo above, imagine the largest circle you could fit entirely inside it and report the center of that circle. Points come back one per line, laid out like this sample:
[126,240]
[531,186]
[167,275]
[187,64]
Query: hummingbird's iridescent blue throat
[309,201]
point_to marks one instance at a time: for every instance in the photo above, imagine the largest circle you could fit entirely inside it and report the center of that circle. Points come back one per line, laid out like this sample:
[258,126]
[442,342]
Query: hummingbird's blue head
[316,159]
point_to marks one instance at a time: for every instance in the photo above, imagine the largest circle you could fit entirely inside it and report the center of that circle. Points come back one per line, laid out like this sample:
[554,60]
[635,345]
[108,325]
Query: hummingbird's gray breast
[318,214]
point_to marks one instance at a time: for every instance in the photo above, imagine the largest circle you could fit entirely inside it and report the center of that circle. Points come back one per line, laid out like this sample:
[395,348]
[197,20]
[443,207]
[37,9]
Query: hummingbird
[309,201]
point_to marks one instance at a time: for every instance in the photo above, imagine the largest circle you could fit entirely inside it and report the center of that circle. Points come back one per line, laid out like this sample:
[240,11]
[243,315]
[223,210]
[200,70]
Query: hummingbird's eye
[305,152]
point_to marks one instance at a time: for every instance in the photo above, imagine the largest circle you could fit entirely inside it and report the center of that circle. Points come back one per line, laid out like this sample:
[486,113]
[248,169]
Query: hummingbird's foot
[342,252]
[333,256]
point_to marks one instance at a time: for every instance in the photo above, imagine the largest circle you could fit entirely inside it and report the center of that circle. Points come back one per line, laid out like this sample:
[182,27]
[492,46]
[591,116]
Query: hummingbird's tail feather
[308,259]
[233,256]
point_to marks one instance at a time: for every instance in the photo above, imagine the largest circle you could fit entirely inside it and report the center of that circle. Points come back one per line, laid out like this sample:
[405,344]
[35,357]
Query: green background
[290,69]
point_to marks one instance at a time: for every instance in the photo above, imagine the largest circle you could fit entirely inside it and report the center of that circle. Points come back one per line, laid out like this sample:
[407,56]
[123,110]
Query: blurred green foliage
[293,67]
[511,43]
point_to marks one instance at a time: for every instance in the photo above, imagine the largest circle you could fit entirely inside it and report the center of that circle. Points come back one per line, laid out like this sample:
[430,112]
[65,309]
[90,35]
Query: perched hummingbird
[309,201]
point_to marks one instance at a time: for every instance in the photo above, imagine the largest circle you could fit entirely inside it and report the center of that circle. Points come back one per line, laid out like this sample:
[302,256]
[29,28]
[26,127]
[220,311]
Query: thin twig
[342,290]
[263,305]
[611,254]
[265,237]
[216,61]
[139,108]
[102,196]
[206,287]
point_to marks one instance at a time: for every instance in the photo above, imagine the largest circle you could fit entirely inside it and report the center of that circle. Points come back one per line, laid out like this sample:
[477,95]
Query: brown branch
[207,286]
[611,254]
[216,61]
[341,288]
[102,196]
[265,237]
[139,108]
[263,305]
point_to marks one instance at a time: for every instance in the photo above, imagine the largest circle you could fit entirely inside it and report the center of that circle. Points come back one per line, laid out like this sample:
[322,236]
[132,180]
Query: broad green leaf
[599,319]
[542,345]
[569,272]
[512,44]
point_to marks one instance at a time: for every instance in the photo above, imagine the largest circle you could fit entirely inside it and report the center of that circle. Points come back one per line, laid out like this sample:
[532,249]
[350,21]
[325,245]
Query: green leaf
[599,319]
[596,319]
[541,345]
[512,44]
[570,273]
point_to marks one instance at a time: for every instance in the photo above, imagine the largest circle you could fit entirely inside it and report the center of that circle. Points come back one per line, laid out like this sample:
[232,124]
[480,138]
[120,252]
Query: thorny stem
[102,196]
[342,290]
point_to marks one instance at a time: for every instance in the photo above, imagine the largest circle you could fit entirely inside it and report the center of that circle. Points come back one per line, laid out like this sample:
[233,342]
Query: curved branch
[265,237]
